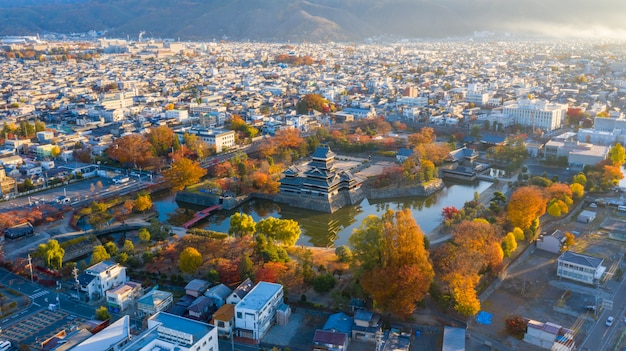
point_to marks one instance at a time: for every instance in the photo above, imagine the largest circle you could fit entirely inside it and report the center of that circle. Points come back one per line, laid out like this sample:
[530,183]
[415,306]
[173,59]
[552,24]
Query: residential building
[366,326]
[154,302]
[99,278]
[240,292]
[325,340]
[8,185]
[552,242]
[123,297]
[579,267]
[179,115]
[169,332]
[224,320]
[200,308]
[549,336]
[44,151]
[197,287]
[256,312]
[219,293]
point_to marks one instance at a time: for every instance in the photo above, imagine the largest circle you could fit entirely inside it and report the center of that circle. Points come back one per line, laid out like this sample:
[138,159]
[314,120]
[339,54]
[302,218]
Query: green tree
[284,231]
[241,225]
[52,253]
[246,267]
[189,260]
[102,313]
[39,126]
[99,254]
[343,253]
[323,283]
[367,242]
[161,138]
[144,235]
[99,215]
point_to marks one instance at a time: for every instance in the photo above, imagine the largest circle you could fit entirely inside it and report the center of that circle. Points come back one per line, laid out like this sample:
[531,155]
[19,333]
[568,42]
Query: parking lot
[39,327]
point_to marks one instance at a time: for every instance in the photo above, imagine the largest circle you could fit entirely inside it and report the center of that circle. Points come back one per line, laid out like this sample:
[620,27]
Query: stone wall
[322,204]
[419,190]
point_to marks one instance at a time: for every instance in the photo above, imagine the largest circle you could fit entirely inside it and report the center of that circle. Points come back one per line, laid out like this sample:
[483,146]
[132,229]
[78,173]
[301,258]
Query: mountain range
[314,20]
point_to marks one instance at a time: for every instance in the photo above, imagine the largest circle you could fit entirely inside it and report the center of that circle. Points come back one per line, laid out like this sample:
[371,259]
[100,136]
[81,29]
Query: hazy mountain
[314,19]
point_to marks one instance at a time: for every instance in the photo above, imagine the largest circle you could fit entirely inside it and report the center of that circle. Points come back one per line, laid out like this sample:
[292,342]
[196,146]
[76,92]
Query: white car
[593,205]
[609,321]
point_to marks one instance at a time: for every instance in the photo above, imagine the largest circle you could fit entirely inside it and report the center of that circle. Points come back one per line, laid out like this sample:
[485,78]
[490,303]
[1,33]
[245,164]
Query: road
[601,337]
[40,299]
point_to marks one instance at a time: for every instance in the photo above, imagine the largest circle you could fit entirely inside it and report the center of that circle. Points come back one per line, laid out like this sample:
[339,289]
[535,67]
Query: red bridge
[200,215]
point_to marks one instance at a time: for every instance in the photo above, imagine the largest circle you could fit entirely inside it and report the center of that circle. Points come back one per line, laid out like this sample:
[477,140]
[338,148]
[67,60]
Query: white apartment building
[179,115]
[537,113]
[170,332]
[116,101]
[99,278]
[222,139]
[256,312]
[579,267]
[122,297]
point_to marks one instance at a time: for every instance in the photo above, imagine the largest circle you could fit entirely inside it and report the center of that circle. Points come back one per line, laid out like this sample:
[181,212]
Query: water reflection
[326,229]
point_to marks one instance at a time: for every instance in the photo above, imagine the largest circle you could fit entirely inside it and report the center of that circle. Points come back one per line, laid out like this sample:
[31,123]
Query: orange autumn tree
[184,172]
[475,249]
[399,273]
[526,205]
[133,149]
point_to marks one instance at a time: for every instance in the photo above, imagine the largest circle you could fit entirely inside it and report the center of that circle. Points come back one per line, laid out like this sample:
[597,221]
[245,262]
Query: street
[602,337]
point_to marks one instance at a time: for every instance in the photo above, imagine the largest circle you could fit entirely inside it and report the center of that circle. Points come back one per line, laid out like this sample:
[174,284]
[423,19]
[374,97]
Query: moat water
[326,229]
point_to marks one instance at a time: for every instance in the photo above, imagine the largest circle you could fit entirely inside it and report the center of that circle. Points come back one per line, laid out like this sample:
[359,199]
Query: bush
[516,326]
[323,283]
[102,313]
[343,253]
[207,233]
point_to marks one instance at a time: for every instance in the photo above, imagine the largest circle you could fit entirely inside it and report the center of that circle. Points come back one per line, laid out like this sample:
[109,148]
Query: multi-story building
[170,332]
[222,139]
[99,278]
[255,314]
[579,267]
[122,297]
[154,302]
[538,114]
[179,115]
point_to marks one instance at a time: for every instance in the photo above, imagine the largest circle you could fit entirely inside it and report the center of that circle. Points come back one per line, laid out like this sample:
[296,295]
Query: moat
[326,229]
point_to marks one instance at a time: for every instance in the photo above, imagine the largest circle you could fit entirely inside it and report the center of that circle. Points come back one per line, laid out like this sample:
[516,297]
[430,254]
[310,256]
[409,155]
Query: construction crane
[141,35]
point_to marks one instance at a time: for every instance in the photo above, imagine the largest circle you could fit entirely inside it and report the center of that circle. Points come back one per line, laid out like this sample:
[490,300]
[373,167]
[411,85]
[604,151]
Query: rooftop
[580,259]
[259,296]
[109,336]
[181,325]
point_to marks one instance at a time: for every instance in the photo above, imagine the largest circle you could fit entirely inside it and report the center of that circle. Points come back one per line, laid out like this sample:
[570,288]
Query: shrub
[323,283]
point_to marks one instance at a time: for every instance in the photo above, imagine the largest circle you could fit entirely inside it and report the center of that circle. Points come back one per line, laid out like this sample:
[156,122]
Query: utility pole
[30,266]
[75,274]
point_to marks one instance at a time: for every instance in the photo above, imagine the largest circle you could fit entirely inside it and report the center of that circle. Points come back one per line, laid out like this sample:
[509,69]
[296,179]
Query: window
[220,324]
[239,315]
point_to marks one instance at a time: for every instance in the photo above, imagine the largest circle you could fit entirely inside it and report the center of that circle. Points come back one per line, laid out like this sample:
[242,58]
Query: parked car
[609,321]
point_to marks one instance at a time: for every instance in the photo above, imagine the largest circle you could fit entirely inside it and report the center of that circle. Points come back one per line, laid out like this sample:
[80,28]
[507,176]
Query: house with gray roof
[579,267]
